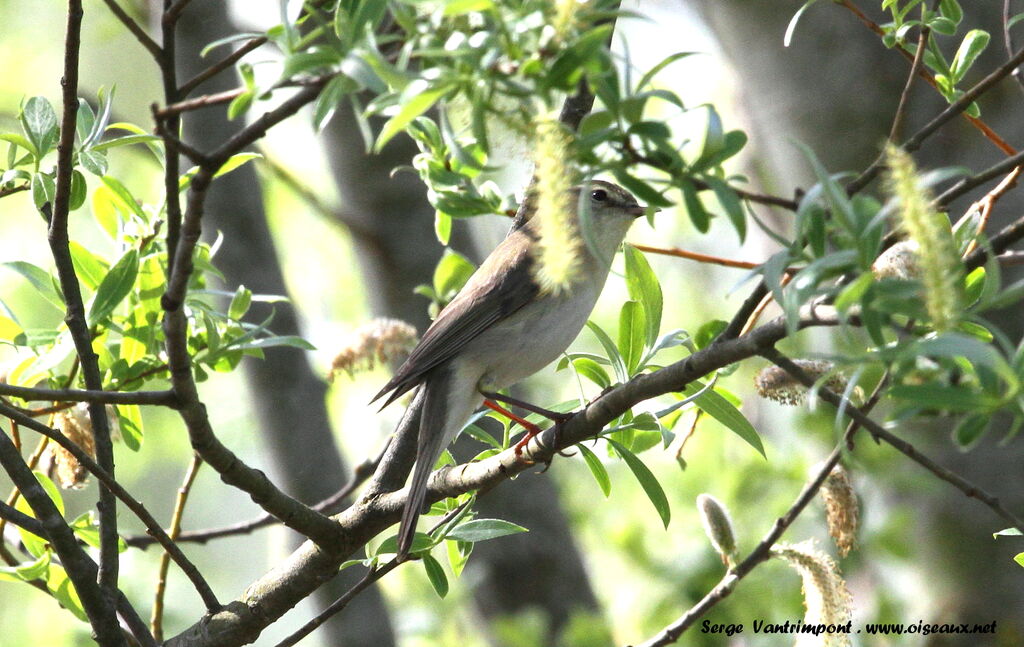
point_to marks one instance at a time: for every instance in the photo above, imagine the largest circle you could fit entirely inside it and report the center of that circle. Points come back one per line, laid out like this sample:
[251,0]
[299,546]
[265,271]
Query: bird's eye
[600,195]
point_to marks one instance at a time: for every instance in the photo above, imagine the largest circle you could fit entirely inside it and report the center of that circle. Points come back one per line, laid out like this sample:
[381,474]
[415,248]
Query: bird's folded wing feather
[490,295]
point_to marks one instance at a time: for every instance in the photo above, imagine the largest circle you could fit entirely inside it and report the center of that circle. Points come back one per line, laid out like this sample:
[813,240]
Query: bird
[501,327]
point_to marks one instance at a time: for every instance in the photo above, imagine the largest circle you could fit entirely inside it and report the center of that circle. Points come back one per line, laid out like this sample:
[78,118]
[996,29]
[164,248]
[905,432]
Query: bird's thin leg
[556,416]
[531,429]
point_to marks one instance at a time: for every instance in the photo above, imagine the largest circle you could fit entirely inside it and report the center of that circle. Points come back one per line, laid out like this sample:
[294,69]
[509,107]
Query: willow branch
[156,398]
[115,489]
[75,315]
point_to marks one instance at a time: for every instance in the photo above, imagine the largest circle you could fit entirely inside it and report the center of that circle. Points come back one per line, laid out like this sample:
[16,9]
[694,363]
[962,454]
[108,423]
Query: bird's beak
[637,211]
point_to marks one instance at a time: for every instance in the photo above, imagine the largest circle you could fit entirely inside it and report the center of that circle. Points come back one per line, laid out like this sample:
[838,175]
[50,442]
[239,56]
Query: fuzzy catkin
[939,266]
[559,248]
[826,597]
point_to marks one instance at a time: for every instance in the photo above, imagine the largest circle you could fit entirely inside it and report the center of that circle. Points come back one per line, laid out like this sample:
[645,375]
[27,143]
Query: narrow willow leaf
[719,408]
[597,469]
[484,529]
[644,287]
[116,285]
[647,481]
[435,573]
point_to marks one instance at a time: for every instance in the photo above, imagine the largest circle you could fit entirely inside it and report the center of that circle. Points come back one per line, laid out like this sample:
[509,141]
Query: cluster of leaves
[943,19]
[973,370]
[122,280]
[489,70]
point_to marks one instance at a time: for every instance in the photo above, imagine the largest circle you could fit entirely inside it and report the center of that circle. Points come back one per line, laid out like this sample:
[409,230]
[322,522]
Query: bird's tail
[432,438]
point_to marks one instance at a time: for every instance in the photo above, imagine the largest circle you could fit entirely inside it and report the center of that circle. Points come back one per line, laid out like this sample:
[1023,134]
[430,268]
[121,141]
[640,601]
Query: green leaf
[43,189]
[644,287]
[89,267]
[1019,558]
[293,341]
[235,161]
[951,10]
[973,44]
[950,398]
[40,280]
[791,27]
[39,122]
[632,329]
[19,140]
[970,430]
[240,303]
[591,370]
[116,285]
[130,419]
[665,62]
[435,573]
[28,571]
[484,529]
[451,273]
[694,207]
[647,481]
[138,138]
[708,332]
[240,104]
[37,545]
[730,202]
[597,469]
[64,592]
[79,190]
[719,408]
[418,97]
[1008,532]
[85,121]
[327,103]
[621,374]
[124,196]
[94,161]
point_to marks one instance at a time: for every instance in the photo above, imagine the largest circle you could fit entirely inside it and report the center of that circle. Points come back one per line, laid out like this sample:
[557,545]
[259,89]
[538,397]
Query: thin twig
[915,68]
[970,489]
[115,489]
[22,520]
[157,616]
[704,258]
[750,196]
[762,551]
[371,577]
[156,398]
[206,100]
[989,134]
[174,12]
[329,505]
[987,204]
[952,110]
[969,183]
[13,189]
[137,31]
[202,77]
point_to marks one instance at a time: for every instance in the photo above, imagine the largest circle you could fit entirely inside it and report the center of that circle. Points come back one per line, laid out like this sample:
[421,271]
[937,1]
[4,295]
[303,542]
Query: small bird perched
[502,327]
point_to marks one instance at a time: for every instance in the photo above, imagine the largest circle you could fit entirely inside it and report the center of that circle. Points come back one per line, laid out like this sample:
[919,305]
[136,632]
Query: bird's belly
[522,345]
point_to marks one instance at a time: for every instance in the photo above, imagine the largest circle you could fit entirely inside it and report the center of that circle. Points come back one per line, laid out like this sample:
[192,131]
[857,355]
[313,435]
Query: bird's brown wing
[488,297]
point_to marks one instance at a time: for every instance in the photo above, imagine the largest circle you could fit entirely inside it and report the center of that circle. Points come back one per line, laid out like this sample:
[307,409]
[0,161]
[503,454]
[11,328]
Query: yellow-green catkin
[939,266]
[826,597]
[559,248]
[565,16]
